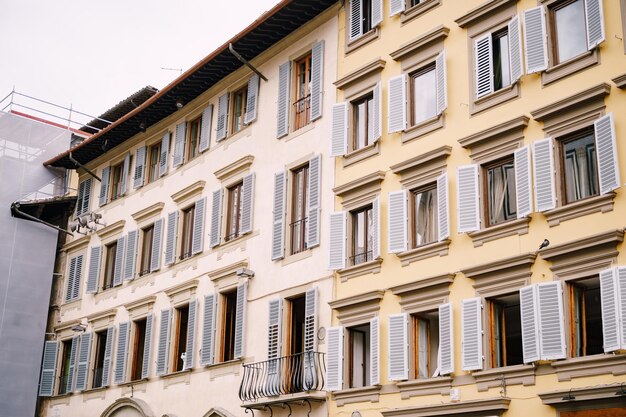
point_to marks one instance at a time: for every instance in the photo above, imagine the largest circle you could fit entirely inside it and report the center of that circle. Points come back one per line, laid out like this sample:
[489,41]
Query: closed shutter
[544,175]
[77,278]
[131,255]
[467,198]
[82,369]
[446,340]
[252,100]
[334,358]
[314,204]
[515,48]
[108,353]
[170,242]
[551,320]
[155,251]
[163,158]
[609,296]
[594,15]
[472,334]
[621,300]
[282,115]
[377,111]
[442,82]
[247,205]
[310,320]
[376,228]
[124,180]
[397,221]
[484,65]
[443,207]
[396,7]
[84,195]
[69,387]
[375,351]
[164,342]
[48,368]
[205,132]
[208,330]
[222,116]
[608,170]
[535,40]
[240,320]
[337,243]
[523,187]
[317,79]
[278,216]
[216,217]
[356,27]
[140,167]
[179,143]
[104,186]
[119,261]
[197,240]
[274,327]
[71,279]
[530,325]
[377,12]
[121,353]
[339,129]
[397,104]
[398,347]
[191,335]
[147,351]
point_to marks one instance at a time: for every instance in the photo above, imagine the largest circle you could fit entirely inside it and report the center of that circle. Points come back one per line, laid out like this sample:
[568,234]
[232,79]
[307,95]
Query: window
[193,138]
[363,16]
[238,100]
[66,367]
[84,194]
[137,350]
[585,317]
[234,210]
[424,219]
[505,334]
[229,314]
[116,181]
[101,339]
[187,232]
[363,121]
[359,364]
[146,250]
[298,220]
[497,59]
[425,342]
[181,320]
[236,109]
[297,325]
[410,9]
[423,92]
[362,235]
[579,169]
[569,30]
[72,291]
[236,201]
[154,157]
[302,103]
[500,191]
[109,265]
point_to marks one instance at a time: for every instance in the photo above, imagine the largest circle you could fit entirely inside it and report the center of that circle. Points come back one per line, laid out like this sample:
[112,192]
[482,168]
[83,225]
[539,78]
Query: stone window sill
[364,39]
[428,386]
[601,203]
[602,364]
[422,128]
[425,251]
[357,395]
[296,133]
[370,267]
[500,96]
[513,375]
[510,228]
[570,67]
[359,155]
[289,259]
[418,10]
[233,242]
[179,377]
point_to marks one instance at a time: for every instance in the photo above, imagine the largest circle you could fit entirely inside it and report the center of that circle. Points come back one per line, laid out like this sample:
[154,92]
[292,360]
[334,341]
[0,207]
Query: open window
[176,339]
[114,181]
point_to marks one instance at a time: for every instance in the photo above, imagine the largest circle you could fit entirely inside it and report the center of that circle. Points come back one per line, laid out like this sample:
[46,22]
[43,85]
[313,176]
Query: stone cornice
[437,34]
[189,192]
[482,11]
[494,132]
[77,244]
[496,406]
[375,178]
[376,65]
[620,81]
[597,92]
[148,212]
[612,237]
[111,230]
[233,168]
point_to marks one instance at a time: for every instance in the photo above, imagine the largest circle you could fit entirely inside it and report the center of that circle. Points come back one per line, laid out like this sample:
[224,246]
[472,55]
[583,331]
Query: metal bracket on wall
[245,61]
[87,170]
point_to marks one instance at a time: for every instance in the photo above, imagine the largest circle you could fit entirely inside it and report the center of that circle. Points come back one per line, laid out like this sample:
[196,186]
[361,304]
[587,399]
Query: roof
[272,26]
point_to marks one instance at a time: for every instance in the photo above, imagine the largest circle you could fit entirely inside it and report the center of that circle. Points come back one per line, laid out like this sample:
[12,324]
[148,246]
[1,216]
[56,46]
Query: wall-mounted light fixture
[244,273]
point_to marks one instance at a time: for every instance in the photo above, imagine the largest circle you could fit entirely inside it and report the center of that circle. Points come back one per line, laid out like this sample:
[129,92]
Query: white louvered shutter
[78,273]
[468,198]
[240,320]
[48,368]
[606,153]
[155,250]
[397,206]
[446,340]
[124,179]
[84,196]
[140,167]
[523,183]
[337,243]
[69,387]
[543,167]
[529,322]
[376,228]
[278,216]
[170,242]
[108,354]
[375,351]
[551,320]
[377,12]
[121,353]
[222,116]
[377,111]
[82,369]
[317,80]
[104,186]
[252,100]
[164,342]
[216,217]
[535,40]
[396,7]
[314,203]
[515,48]
[247,205]
[443,207]
[274,327]
[396,112]
[131,255]
[356,13]
[208,330]
[191,335]
[163,157]
[441,82]
[621,301]
[398,347]
[282,115]
[199,214]
[94,269]
[472,334]
[310,320]
[594,16]
[179,143]
[334,358]
[205,130]
[610,310]
[483,59]
[119,261]
[145,365]
[339,129]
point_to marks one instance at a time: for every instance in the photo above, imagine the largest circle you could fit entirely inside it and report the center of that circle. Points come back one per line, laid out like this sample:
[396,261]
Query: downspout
[16,207]
[87,170]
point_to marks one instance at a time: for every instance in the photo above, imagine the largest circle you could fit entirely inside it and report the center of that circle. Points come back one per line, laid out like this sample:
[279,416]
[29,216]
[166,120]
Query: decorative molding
[182,292]
[237,167]
[357,308]
[481,12]
[554,253]
[438,34]
[620,81]
[602,203]
[510,228]
[140,307]
[148,212]
[422,168]
[586,366]
[428,386]
[111,230]
[424,252]
[140,406]
[361,190]
[364,268]
[512,375]
[357,395]
[418,10]
[377,65]
[424,294]
[495,141]
[77,244]
[102,319]
[228,270]
[601,393]
[571,66]
[490,406]
[189,192]
[501,276]
[361,154]
[595,93]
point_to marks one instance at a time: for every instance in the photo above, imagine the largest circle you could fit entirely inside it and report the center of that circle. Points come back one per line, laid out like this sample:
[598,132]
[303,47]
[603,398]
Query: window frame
[373,33]
[100,340]
[572,332]
[146,250]
[298,218]
[367,359]
[413,209]
[353,232]
[225,351]
[486,190]
[179,337]
[64,366]
[185,247]
[411,96]
[153,170]
[493,304]
[236,126]
[233,211]
[108,272]
[115,186]
[560,163]
[192,142]
[365,99]
[302,118]
[138,335]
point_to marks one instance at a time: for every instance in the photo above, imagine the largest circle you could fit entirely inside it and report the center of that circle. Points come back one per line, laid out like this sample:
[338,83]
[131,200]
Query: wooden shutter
[108,353]
[208,330]
[529,322]
[398,347]
[282,115]
[145,366]
[339,129]
[247,205]
[397,236]
[515,48]
[317,80]
[222,116]
[119,261]
[84,194]
[396,116]
[170,242]
[523,186]
[544,175]
[140,167]
[334,358]
[131,255]
[125,170]
[442,82]
[82,369]
[71,279]
[240,320]
[375,351]
[621,301]
[377,12]
[69,387]
[104,186]
[155,250]
[376,228]
[356,27]
[594,16]
[535,40]
[278,217]
[274,327]
[484,65]
[77,278]
[165,148]
[164,341]
[610,310]
[48,368]
[396,7]
[472,334]
[179,143]
[443,207]
[252,100]
[551,320]
[310,320]
[197,240]
[313,203]
[446,340]
[606,152]
[205,130]
[216,217]
[377,111]
[191,335]
[121,353]
[468,198]
[337,243]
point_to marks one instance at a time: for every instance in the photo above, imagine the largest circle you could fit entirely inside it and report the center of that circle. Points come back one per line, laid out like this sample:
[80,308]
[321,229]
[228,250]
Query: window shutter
[610,310]
[334,358]
[594,15]
[397,221]
[48,368]
[621,301]
[125,170]
[397,104]
[282,115]
[197,243]
[535,40]
[170,243]
[104,186]
[377,12]
[155,250]
[252,99]
[472,334]
[119,261]
[398,347]
[145,366]
[310,320]
[467,198]
[165,147]
[396,7]
[216,217]
[208,330]
[530,325]
[205,132]
[443,207]
[446,340]
[71,280]
[544,175]
[247,206]
[484,65]
[376,228]
[339,132]
[317,79]
[515,48]
[337,244]
[551,320]
[377,111]
[356,28]
[131,255]
[240,320]
[72,366]
[108,353]
[222,116]
[523,187]
[375,351]
[606,152]
[314,206]
[278,217]
[121,353]
[84,194]
[191,335]
[442,82]
[164,342]
[274,327]
[140,165]
[77,277]
[179,143]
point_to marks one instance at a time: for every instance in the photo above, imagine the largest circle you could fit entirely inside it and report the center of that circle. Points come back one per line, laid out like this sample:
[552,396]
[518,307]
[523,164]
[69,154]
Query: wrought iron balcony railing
[287,375]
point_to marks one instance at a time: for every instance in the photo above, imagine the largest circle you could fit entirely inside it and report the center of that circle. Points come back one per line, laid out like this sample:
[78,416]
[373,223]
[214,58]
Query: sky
[91,54]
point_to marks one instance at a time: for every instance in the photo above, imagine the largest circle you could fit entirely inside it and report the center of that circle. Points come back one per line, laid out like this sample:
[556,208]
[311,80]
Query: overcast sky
[92,54]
